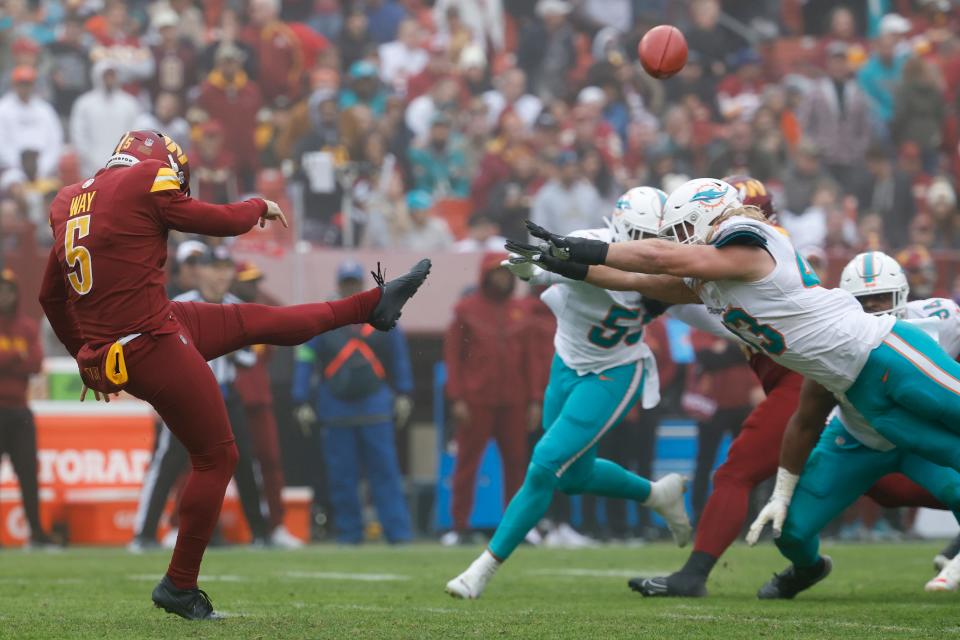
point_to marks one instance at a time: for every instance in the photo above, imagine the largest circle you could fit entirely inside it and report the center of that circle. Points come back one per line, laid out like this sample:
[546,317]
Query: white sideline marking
[600,573]
[338,575]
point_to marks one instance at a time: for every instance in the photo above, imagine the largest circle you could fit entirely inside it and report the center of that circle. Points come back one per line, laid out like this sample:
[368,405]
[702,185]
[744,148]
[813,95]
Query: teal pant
[839,471]
[577,411]
[909,391]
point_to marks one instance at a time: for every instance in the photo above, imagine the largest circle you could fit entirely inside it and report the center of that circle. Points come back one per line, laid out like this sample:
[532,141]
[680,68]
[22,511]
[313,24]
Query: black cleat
[677,584]
[789,582]
[395,294]
[192,604]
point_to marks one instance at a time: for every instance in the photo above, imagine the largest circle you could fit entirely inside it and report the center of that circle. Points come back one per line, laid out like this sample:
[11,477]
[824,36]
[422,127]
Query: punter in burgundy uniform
[104,295]
[753,458]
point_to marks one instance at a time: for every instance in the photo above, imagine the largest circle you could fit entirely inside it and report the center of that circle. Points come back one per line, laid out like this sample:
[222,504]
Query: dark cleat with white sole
[676,585]
[791,581]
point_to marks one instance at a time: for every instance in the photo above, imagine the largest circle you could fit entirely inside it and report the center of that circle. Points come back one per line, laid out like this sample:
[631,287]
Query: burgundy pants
[171,373]
[507,425]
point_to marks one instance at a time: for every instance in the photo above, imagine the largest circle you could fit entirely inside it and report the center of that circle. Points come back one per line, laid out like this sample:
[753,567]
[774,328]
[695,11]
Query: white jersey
[598,329]
[938,317]
[823,334]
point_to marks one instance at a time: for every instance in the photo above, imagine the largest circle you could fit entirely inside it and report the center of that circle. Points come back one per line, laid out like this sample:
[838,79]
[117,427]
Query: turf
[876,591]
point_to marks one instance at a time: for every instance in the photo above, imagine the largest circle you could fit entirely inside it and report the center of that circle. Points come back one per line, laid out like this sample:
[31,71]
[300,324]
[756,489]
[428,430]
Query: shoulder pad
[740,231]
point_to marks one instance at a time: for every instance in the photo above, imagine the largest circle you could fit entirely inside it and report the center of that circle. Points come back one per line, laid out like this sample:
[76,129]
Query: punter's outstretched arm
[181,212]
[803,430]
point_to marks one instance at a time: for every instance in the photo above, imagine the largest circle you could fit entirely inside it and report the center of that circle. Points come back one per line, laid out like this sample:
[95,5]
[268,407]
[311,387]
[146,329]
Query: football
[663,51]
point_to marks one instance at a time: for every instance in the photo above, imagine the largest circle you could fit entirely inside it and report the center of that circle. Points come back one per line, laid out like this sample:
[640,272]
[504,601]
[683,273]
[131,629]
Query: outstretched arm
[663,288]
[183,213]
[805,426]
[803,430]
[704,262]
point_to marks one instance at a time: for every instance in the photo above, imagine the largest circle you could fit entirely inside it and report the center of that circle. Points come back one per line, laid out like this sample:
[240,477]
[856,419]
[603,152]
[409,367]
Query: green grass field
[876,591]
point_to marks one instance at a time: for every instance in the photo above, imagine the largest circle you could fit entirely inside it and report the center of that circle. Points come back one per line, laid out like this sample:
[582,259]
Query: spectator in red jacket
[487,382]
[229,96]
[214,179]
[21,356]
[280,53]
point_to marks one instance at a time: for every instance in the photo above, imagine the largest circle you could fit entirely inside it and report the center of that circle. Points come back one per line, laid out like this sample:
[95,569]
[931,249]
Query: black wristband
[588,251]
[565,268]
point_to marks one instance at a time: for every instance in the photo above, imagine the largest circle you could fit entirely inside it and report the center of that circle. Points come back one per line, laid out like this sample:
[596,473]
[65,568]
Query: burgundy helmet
[755,193]
[145,144]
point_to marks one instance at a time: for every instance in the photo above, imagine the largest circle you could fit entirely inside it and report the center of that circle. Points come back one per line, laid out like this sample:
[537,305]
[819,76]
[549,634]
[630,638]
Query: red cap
[24,45]
[24,73]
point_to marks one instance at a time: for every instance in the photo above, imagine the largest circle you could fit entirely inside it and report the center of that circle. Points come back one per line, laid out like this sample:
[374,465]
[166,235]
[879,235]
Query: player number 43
[78,258]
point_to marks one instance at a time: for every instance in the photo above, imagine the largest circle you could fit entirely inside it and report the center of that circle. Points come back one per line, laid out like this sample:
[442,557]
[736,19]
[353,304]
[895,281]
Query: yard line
[343,575]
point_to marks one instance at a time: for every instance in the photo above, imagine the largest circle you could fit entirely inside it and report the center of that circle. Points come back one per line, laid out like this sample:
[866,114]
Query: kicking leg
[221,329]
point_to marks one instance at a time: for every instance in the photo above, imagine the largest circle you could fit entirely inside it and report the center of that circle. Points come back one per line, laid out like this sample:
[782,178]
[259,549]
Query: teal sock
[528,506]
[610,480]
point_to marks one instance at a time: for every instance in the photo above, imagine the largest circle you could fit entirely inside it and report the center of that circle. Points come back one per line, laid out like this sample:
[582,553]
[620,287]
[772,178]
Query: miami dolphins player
[747,272]
[601,369]
[850,455]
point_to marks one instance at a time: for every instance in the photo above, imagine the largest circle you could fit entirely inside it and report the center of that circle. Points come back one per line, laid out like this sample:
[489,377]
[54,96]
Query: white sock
[653,500]
[485,563]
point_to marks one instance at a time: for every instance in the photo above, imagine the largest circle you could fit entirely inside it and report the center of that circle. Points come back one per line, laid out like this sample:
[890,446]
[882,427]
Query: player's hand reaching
[583,250]
[775,511]
[96,395]
[273,213]
[524,253]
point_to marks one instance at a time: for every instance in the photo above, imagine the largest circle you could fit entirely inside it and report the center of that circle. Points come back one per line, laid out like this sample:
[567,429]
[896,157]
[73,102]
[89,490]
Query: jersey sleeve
[699,317]
[53,299]
[176,210]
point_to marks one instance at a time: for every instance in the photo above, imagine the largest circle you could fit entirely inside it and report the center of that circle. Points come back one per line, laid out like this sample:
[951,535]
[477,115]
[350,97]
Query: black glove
[655,308]
[541,257]
[582,250]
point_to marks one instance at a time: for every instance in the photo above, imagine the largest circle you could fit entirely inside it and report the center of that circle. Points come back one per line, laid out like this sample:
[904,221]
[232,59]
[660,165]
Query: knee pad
[222,457]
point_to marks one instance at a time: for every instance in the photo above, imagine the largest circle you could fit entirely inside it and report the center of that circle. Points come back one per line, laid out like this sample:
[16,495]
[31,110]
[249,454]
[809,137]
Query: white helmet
[876,272]
[636,214]
[696,203]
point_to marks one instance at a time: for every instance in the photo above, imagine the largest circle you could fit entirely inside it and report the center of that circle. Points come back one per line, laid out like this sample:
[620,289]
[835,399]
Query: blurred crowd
[442,125]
